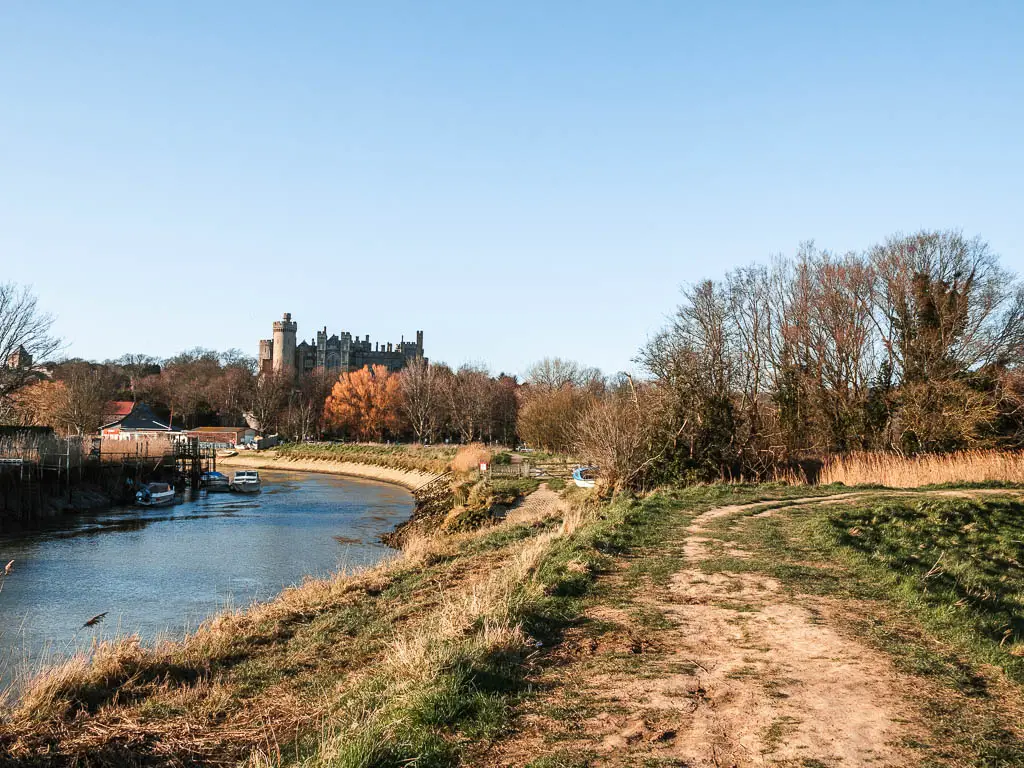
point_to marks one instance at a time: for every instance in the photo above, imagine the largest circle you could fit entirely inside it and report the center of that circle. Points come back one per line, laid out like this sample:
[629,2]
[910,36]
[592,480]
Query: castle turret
[284,345]
[266,359]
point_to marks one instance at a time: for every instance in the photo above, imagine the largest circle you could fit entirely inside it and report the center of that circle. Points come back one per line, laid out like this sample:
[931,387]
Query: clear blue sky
[517,179]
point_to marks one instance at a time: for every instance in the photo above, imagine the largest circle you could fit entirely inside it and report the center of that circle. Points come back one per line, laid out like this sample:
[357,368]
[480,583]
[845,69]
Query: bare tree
[23,327]
[421,391]
[467,394]
[81,402]
[304,414]
[555,372]
[268,396]
[137,367]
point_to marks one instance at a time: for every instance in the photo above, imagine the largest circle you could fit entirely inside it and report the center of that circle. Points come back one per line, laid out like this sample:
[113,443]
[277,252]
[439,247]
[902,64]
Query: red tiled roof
[117,408]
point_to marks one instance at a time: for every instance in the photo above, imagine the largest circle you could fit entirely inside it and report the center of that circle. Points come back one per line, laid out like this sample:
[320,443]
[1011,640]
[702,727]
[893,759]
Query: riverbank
[410,479]
[702,626]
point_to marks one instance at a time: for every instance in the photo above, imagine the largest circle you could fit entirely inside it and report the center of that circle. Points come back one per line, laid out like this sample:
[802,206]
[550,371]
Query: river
[159,572]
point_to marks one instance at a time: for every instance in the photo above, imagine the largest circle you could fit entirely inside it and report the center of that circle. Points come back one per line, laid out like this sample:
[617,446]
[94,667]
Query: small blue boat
[584,477]
[215,482]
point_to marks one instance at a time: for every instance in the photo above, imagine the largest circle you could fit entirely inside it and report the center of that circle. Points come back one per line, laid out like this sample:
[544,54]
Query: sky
[516,179]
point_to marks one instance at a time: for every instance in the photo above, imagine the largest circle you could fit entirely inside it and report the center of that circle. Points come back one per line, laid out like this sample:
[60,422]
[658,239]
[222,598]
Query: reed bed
[43,449]
[470,457]
[895,471]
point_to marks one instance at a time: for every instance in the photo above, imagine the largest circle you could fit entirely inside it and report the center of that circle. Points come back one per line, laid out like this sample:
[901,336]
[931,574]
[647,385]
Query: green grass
[943,586]
[958,564]
[413,456]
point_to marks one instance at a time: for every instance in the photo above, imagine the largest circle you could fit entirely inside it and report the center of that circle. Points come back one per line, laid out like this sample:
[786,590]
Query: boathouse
[139,422]
[223,437]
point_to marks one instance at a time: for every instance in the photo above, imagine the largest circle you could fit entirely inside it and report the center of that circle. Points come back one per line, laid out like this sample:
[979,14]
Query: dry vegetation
[420,458]
[894,471]
[469,457]
[346,671]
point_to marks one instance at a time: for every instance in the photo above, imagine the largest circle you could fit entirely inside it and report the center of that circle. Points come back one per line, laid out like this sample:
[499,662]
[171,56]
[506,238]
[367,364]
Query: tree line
[913,345]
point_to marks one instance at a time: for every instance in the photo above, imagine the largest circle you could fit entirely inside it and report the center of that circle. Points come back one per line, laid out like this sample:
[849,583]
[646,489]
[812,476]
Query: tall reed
[895,471]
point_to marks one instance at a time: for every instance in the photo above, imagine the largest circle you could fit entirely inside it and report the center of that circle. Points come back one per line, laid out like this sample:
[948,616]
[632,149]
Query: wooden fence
[549,469]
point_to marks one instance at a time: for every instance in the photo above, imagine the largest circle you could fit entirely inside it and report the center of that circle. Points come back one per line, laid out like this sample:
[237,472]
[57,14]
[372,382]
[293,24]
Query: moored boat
[584,477]
[215,482]
[246,481]
[155,495]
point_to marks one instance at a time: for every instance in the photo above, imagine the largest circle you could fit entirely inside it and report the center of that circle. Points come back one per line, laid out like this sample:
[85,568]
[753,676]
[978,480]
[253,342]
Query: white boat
[246,481]
[584,477]
[155,495]
[215,482]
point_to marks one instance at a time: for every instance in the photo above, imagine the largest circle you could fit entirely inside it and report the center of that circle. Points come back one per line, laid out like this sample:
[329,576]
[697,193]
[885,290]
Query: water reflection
[160,572]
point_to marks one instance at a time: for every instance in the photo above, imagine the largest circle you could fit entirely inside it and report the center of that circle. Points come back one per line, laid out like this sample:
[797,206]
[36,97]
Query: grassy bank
[414,457]
[408,660]
[501,645]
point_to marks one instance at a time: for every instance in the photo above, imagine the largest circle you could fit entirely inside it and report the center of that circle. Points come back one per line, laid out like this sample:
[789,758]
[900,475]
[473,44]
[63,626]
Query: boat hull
[245,488]
[156,501]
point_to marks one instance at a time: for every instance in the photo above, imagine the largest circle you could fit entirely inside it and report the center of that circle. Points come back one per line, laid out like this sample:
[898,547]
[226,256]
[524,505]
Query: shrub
[469,457]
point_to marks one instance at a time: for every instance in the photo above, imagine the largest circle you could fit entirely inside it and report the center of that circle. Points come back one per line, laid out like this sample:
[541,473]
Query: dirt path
[735,672]
[777,684]
[542,503]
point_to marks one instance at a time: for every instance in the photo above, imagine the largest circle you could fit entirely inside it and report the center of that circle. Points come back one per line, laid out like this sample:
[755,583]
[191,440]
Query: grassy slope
[432,659]
[433,458]
[935,582]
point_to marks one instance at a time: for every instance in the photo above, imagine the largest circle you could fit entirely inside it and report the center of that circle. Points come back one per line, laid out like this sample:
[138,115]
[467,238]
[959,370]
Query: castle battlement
[335,354]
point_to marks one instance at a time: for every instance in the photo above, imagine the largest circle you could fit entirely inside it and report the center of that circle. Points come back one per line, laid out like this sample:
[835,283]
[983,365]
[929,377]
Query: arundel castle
[337,354]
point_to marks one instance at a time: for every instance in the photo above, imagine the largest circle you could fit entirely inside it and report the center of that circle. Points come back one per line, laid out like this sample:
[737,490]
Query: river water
[160,572]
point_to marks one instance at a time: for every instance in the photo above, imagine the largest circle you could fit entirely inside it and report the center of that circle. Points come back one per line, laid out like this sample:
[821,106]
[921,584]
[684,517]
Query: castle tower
[419,343]
[284,345]
[266,359]
[321,348]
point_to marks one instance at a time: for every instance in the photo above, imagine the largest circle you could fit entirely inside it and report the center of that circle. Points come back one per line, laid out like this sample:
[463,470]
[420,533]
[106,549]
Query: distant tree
[185,380]
[468,395]
[231,390]
[82,401]
[22,325]
[555,372]
[504,413]
[364,403]
[265,401]
[37,404]
[303,416]
[73,403]
[136,367]
[420,387]
[548,418]
[618,434]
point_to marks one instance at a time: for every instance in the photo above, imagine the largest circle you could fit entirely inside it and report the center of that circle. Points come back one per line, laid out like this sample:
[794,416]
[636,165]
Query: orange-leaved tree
[364,403]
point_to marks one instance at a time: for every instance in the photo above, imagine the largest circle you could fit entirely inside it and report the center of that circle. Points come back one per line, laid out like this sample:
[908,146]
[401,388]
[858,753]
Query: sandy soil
[410,479]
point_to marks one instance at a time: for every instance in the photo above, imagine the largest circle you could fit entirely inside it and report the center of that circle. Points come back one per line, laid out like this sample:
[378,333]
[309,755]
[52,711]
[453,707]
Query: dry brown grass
[895,471]
[469,457]
[182,699]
